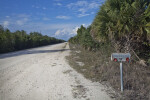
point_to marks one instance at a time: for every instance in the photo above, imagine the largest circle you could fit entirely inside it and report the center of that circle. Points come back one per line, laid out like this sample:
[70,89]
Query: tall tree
[123,21]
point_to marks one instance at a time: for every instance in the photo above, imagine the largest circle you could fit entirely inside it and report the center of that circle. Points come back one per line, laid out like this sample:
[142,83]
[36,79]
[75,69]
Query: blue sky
[57,18]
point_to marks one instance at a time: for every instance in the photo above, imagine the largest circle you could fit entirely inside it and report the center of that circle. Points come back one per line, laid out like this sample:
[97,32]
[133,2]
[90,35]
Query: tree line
[84,38]
[18,40]
[123,23]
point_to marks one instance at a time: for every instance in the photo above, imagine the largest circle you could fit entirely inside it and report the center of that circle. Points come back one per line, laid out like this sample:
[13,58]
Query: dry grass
[98,67]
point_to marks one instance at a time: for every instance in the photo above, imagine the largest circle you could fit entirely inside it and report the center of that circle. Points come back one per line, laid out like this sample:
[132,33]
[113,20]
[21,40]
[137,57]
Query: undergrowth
[98,67]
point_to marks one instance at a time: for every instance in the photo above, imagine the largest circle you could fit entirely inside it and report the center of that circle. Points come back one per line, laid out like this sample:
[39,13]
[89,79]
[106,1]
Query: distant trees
[84,38]
[12,41]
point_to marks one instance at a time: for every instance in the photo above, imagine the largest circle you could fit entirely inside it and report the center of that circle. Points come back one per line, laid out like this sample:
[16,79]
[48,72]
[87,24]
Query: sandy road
[44,74]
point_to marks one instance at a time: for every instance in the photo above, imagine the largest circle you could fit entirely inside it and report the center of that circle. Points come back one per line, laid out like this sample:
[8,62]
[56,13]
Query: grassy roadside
[98,67]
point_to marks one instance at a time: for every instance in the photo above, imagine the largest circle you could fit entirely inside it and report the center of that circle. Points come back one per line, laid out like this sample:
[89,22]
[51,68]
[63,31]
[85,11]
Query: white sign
[120,57]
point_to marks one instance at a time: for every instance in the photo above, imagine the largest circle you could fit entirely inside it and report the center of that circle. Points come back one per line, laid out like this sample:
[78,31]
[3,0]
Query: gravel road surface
[44,74]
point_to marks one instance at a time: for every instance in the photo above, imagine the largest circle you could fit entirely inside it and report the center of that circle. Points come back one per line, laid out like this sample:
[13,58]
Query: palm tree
[126,22]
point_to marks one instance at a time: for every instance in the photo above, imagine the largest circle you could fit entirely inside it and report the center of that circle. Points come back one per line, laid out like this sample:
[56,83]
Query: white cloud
[84,25]
[40,14]
[57,32]
[83,7]
[66,31]
[6,23]
[60,32]
[82,10]
[77,4]
[44,8]
[74,31]
[22,21]
[37,7]
[62,17]
[7,16]
[92,12]
[15,20]
[93,5]
[48,27]
[19,22]
[46,19]
[82,15]
[58,4]
[23,15]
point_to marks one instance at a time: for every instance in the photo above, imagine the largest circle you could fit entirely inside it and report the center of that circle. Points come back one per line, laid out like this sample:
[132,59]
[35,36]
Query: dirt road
[44,74]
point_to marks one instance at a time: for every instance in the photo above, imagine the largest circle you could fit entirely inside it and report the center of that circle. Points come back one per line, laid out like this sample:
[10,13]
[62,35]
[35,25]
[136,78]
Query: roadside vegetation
[119,26]
[13,41]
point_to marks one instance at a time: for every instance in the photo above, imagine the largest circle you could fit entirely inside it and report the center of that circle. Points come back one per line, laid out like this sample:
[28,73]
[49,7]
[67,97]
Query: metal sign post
[120,57]
[121,76]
